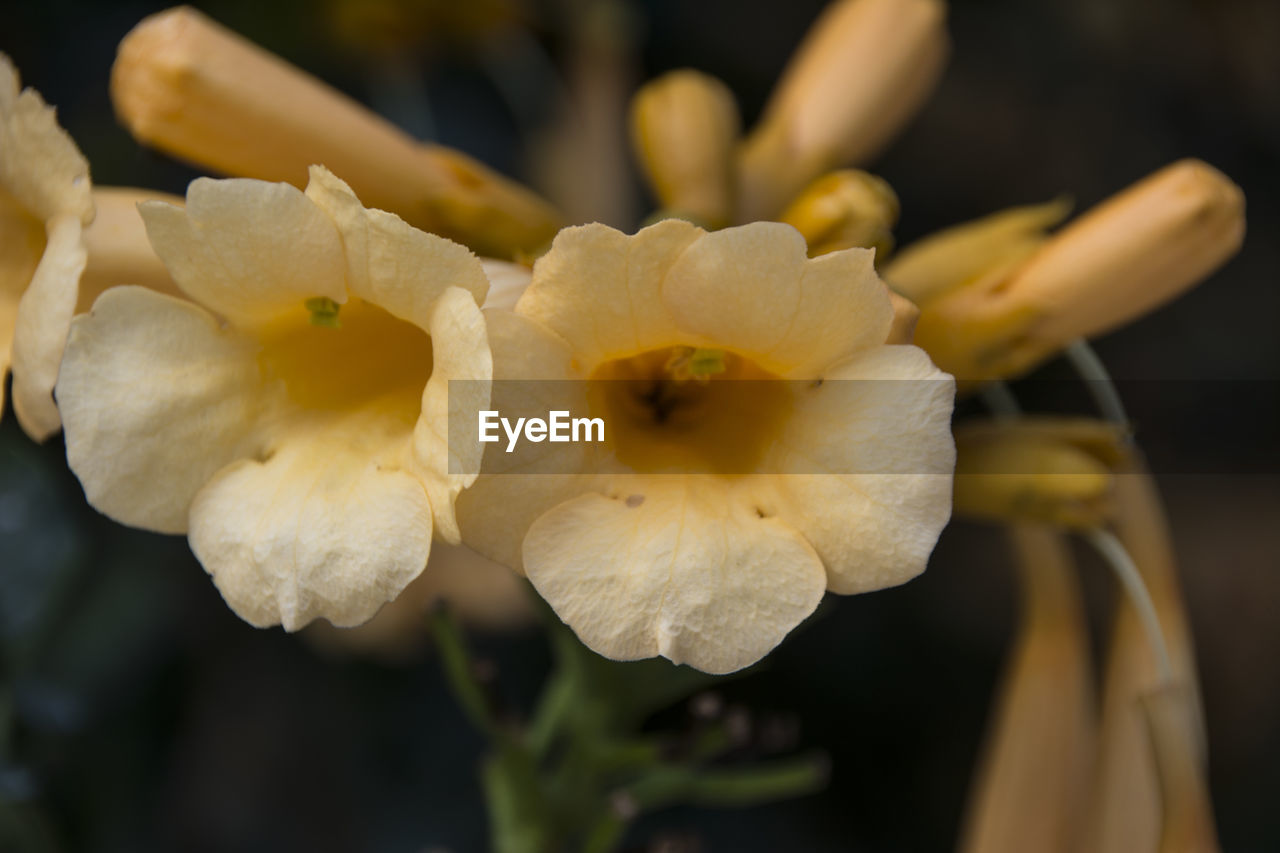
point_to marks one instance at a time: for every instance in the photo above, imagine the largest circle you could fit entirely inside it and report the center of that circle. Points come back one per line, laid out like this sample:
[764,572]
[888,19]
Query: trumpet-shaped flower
[684,534]
[293,420]
[45,203]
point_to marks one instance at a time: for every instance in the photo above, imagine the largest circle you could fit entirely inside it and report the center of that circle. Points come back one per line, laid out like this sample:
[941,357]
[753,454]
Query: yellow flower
[293,420]
[678,536]
[45,203]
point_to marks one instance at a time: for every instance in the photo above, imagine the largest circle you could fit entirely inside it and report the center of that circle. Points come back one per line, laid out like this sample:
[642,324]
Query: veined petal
[671,568]
[391,263]
[39,164]
[321,529]
[507,283]
[40,331]
[460,352]
[875,518]
[753,289]
[515,488]
[249,250]
[155,399]
[601,290]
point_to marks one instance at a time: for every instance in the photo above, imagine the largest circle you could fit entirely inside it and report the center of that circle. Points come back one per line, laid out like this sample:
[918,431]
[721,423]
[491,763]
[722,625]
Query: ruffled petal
[39,164]
[600,289]
[885,444]
[155,399]
[753,289]
[251,251]
[391,263]
[460,353]
[40,331]
[673,569]
[321,529]
[515,488]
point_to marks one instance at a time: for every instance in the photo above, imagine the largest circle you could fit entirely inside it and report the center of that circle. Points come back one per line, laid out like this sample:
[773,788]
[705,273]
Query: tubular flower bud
[863,71]
[202,93]
[1173,723]
[684,126]
[1038,470]
[119,251]
[1125,807]
[1120,260]
[845,210]
[1034,768]
[965,254]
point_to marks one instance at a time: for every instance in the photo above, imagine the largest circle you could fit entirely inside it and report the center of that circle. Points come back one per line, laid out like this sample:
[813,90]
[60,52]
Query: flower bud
[1034,767]
[204,94]
[1172,719]
[684,126]
[961,255]
[1115,263]
[862,72]
[1051,470]
[843,210]
[118,248]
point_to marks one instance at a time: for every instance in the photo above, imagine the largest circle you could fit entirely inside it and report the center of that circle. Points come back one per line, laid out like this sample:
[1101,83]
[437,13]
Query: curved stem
[1102,388]
[1126,571]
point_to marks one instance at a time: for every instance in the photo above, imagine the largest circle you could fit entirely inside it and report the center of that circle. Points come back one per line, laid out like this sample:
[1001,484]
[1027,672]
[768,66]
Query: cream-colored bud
[684,127]
[1052,470]
[1125,808]
[843,210]
[961,255]
[1123,258]
[865,68]
[905,315]
[1173,723]
[118,249]
[202,93]
[1033,773]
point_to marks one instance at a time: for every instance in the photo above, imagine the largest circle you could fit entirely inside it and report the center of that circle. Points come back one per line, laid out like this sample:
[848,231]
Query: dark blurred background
[139,714]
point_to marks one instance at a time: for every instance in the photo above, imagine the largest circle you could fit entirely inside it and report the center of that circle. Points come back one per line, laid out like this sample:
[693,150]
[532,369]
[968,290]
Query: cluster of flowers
[265,365]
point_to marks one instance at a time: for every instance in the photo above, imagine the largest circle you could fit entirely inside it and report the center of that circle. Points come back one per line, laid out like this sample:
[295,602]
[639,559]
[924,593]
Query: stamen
[695,363]
[324,312]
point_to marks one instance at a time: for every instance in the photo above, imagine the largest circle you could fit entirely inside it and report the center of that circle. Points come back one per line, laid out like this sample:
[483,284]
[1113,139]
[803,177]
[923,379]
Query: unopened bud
[843,210]
[119,251]
[202,93]
[684,126]
[1120,260]
[863,71]
[1049,470]
[964,254]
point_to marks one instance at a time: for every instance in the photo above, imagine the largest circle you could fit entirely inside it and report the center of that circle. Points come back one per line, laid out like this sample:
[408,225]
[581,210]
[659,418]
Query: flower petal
[515,488]
[40,330]
[391,263]
[600,289]
[507,283]
[155,399]
[887,442]
[249,250]
[39,164]
[321,529]
[753,289]
[460,350]
[669,567]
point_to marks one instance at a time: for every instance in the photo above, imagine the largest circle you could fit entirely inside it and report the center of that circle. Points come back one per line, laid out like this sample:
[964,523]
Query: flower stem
[1117,556]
